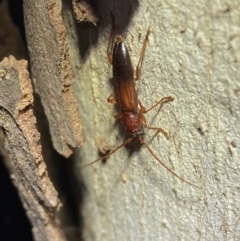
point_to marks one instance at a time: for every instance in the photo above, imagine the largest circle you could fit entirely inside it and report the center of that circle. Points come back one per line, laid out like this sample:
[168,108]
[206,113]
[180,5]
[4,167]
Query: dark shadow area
[14,224]
[16,11]
[12,37]
[75,190]
[88,33]
[61,172]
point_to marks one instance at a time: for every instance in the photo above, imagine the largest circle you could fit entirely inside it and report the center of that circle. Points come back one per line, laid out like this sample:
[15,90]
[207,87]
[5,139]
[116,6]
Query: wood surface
[52,74]
[22,151]
[193,54]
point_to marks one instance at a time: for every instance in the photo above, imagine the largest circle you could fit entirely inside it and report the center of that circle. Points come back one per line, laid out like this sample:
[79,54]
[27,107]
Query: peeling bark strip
[22,143]
[83,12]
[52,73]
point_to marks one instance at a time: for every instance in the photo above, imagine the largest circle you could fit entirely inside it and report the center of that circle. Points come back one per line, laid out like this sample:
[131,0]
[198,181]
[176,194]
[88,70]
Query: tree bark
[22,151]
[20,143]
[193,54]
[52,73]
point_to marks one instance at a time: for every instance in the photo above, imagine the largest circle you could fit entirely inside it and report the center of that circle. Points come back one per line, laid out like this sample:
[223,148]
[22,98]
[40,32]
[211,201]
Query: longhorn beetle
[125,95]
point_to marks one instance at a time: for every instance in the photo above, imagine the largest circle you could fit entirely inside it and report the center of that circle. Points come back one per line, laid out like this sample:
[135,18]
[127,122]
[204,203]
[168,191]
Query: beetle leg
[111,152]
[139,65]
[118,115]
[143,122]
[163,164]
[111,99]
[160,102]
[142,108]
[110,43]
[159,129]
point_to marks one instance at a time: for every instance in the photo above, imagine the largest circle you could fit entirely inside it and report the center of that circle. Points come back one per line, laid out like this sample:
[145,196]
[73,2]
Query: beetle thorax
[131,121]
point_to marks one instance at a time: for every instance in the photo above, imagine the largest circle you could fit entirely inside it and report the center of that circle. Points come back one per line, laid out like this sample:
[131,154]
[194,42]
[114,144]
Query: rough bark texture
[23,153]
[83,12]
[51,72]
[193,54]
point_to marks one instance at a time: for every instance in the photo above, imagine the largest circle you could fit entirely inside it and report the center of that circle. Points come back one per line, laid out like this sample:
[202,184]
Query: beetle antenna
[163,164]
[111,152]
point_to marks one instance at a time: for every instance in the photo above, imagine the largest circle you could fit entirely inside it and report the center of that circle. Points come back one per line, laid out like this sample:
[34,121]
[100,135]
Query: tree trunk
[193,54]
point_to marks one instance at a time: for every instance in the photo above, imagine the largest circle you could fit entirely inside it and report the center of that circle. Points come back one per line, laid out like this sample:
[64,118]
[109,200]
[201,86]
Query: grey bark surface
[193,54]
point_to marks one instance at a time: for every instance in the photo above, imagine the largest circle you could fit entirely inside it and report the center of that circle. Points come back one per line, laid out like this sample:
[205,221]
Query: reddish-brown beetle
[131,110]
